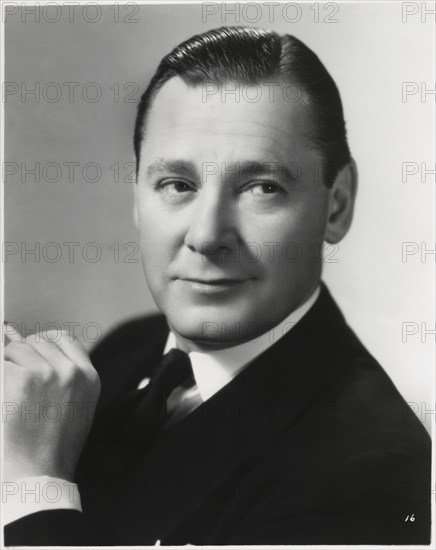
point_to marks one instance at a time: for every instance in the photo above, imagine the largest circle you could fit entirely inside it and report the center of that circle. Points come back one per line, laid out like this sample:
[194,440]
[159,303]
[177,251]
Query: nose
[213,223]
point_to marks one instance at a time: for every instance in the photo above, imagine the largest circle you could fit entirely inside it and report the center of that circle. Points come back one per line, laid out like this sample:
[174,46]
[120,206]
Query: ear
[341,203]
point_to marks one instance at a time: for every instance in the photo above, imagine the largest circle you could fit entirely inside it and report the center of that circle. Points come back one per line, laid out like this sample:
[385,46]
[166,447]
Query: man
[275,425]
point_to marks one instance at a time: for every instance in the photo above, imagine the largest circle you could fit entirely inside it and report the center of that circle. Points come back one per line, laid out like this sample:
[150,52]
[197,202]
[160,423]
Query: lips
[211,286]
[217,282]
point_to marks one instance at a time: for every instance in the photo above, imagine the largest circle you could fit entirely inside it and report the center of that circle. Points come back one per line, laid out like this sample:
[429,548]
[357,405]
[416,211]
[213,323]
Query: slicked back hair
[249,55]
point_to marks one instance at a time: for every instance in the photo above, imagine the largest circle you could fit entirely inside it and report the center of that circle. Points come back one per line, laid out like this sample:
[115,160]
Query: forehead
[259,122]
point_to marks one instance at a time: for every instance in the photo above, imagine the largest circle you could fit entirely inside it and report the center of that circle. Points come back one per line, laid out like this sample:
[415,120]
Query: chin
[218,328]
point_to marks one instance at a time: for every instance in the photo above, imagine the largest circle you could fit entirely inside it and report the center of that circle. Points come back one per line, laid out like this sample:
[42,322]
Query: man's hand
[51,391]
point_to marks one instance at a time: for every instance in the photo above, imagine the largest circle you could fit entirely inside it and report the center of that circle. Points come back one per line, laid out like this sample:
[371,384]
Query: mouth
[207,286]
[215,282]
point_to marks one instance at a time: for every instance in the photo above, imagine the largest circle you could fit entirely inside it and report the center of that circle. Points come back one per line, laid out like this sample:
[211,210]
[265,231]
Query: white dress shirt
[212,371]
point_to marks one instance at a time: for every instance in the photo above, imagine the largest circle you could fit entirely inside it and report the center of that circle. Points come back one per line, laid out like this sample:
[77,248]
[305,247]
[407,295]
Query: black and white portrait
[218,258]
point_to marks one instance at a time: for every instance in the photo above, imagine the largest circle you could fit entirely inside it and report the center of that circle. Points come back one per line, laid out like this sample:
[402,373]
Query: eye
[175,187]
[175,191]
[262,188]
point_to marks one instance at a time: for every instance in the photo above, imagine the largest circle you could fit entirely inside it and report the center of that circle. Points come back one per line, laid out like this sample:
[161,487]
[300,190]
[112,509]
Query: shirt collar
[214,369]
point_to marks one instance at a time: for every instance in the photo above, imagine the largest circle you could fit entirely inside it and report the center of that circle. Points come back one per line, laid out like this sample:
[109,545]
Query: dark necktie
[148,406]
[134,421]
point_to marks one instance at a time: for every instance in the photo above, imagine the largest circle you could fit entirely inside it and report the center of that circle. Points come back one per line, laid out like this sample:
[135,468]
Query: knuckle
[45,374]
[93,377]
[32,377]
[72,370]
[70,373]
[67,377]
[69,366]
[90,370]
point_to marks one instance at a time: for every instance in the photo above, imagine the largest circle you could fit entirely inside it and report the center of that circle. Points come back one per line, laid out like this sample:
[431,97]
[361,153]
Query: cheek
[306,223]
[283,229]
[290,244]
[151,241]
[160,241]
[149,237]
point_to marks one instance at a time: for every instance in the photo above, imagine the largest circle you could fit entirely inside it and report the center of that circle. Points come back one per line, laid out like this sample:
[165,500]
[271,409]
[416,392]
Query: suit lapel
[133,355]
[190,460]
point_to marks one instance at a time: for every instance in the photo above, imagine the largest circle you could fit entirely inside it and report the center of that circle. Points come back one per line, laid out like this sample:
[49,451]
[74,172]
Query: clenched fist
[50,394]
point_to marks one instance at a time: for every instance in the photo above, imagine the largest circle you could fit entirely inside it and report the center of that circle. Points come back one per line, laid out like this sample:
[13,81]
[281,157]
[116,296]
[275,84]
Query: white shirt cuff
[36,494]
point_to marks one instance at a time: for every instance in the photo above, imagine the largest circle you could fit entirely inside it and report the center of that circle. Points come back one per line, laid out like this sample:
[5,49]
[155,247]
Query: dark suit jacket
[311,444]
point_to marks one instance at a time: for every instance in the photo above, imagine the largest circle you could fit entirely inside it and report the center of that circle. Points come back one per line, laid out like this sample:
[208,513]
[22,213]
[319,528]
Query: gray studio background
[370,52]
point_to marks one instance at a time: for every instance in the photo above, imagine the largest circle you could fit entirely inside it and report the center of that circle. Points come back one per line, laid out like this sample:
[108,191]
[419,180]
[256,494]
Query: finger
[12,333]
[50,351]
[24,355]
[71,347]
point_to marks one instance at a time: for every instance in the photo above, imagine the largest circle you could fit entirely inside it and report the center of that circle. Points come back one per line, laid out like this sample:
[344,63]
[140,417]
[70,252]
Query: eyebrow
[246,169]
[272,168]
[160,165]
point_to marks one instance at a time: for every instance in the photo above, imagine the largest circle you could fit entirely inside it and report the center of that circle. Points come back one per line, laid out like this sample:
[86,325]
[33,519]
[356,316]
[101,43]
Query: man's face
[231,212]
